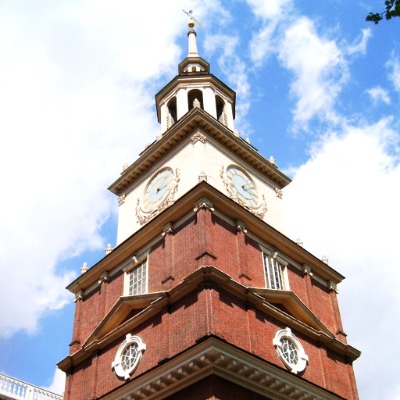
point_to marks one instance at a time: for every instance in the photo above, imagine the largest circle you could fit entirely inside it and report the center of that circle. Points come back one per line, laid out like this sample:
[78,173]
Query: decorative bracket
[307,270]
[167,230]
[203,204]
[78,296]
[241,227]
[103,278]
[333,287]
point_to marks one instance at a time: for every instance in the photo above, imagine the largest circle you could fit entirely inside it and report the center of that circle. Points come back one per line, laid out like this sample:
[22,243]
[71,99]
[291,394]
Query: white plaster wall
[209,101]
[181,102]
[193,160]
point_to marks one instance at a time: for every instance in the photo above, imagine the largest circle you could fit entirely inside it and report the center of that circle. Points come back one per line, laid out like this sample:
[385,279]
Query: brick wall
[205,239]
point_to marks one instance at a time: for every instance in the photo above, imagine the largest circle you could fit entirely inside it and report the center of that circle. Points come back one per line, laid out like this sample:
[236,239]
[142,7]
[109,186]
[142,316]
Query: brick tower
[204,297]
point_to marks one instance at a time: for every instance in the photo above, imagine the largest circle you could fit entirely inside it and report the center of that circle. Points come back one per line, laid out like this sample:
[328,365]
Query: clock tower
[204,297]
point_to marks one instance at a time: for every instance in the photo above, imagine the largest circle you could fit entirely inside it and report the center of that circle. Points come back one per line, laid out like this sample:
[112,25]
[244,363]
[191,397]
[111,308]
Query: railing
[18,390]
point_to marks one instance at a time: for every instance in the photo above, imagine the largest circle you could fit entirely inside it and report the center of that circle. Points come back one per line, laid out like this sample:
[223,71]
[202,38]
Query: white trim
[143,262]
[273,257]
[300,363]
[213,357]
[117,364]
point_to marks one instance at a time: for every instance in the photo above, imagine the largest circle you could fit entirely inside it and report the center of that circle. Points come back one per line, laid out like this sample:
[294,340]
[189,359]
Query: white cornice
[194,120]
[214,357]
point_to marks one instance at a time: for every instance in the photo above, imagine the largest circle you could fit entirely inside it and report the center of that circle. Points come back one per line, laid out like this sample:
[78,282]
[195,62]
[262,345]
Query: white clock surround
[200,155]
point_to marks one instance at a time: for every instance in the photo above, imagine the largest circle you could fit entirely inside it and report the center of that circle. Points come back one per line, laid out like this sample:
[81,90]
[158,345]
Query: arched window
[172,115]
[195,99]
[221,114]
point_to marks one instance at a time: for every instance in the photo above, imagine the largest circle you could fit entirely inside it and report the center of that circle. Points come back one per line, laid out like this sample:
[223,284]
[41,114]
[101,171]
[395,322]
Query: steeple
[194,87]
[192,35]
[204,296]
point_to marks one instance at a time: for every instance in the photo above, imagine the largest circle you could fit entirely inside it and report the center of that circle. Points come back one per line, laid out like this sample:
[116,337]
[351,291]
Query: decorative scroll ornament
[198,137]
[202,177]
[259,209]
[121,199]
[279,193]
[144,215]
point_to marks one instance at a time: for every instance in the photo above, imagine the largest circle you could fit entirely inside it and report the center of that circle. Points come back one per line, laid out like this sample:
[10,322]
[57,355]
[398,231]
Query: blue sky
[317,87]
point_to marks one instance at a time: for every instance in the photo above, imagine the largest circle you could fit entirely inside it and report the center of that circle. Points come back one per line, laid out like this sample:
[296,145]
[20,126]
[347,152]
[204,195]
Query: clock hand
[162,182]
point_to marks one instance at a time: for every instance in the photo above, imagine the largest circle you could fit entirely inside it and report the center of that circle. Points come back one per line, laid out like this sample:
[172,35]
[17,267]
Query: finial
[84,268]
[192,34]
[108,249]
[192,19]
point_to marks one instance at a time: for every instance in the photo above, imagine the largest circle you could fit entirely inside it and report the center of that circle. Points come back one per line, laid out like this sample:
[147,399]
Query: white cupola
[195,87]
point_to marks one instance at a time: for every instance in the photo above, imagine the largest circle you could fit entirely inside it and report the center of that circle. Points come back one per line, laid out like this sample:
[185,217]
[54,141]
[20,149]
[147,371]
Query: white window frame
[141,263]
[118,364]
[275,271]
[283,336]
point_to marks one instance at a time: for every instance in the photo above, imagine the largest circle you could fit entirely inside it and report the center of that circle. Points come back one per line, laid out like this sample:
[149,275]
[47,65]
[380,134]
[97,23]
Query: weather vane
[191,17]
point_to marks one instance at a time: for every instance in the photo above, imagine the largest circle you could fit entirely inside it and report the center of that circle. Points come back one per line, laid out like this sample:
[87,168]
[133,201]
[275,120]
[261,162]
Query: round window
[290,350]
[128,356]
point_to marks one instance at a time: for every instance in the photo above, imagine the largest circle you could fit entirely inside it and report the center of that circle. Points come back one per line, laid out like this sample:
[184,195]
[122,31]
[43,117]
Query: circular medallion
[242,186]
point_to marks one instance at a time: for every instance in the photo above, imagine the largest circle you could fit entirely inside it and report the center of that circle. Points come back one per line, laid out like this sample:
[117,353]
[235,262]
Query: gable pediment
[130,311]
[289,302]
[284,305]
[126,308]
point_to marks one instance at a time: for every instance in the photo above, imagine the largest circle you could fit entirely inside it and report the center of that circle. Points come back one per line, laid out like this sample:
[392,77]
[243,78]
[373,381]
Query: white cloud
[344,202]
[393,65]
[58,384]
[76,103]
[319,72]
[271,9]
[235,70]
[378,94]
[271,13]
[361,46]
[262,45]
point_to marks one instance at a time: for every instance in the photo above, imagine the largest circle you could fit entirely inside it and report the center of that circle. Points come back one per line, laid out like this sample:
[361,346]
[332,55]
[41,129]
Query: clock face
[158,189]
[242,186]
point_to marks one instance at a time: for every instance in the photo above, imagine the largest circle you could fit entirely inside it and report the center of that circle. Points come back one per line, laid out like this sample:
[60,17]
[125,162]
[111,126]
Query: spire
[192,45]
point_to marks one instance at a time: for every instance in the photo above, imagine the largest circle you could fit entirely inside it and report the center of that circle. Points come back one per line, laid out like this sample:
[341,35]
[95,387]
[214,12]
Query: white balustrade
[14,389]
